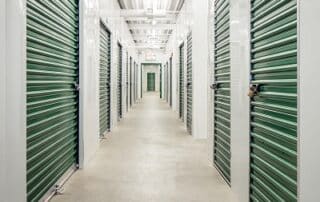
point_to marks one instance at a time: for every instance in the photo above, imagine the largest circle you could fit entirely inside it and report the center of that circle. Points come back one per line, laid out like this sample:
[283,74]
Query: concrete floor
[148,158]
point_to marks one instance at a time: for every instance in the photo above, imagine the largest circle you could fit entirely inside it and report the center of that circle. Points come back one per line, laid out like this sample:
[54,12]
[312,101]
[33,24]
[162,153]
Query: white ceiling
[151,22]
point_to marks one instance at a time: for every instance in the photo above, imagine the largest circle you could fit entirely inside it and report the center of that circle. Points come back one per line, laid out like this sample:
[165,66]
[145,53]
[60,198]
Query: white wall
[151,69]
[14,149]
[2,97]
[89,80]
[240,102]
[91,13]
[308,101]
[200,70]
[180,32]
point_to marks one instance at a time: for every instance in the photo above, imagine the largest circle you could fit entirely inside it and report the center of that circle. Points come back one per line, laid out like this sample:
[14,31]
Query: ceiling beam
[147,13]
[150,26]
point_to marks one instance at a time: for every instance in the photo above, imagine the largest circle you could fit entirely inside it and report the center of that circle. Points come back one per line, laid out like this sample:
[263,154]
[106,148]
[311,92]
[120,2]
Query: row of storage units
[53,91]
[185,87]
[272,94]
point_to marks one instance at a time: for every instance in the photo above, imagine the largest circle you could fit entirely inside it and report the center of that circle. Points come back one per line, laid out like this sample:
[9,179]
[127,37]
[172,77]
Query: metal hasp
[273,147]
[52,93]
[104,80]
[221,87]
[189,83]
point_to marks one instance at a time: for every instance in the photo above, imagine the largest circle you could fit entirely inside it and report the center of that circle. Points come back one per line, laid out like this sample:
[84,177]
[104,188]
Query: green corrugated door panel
[274,107]
[160,81]
[130,83]
[181,82]
[119,82]
[151,81]
[127,82]
[167,82]
[222,152]
[170,101]
[104,80]
[52,97]
[189,83]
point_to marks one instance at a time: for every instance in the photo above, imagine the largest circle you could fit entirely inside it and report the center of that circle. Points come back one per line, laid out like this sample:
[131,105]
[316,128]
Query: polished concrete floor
[148,158]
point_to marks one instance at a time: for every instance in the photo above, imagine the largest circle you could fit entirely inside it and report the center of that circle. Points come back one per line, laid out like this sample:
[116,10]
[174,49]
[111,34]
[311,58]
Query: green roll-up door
[119,82]
[161,72]
[170,81]
[151,79]
[222,88]
[181,82]
[167,82]
[105,56]
[134,82]
[273,134]
[52,93]
[189,83]
[127,82]
[130,83]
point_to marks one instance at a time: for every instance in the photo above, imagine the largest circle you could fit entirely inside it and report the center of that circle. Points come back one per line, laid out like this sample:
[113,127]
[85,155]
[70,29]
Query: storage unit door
[119,83]
[151,81]
[222,89]
[167,81]
[130,86]
[161,81]
[181,83]
[105,65]
[189,83]
[273,134]
[170,82]
[52,96]
[127,83]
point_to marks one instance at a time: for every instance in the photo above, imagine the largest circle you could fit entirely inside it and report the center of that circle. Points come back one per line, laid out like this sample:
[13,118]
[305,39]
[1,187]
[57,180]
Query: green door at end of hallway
[151,81]
[273,146]
[221,125]
[52,93]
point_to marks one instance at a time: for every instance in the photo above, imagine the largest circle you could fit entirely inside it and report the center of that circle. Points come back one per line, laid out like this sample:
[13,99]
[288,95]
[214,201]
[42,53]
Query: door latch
[214,86]
[253,90]
[76,86]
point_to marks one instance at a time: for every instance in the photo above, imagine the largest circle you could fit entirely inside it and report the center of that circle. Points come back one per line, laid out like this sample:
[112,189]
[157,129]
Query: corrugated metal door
[274,101]
[181,82]
[189,83]
[52,95]
[134,82]
[105,56]
[161,81]
[130,86]
[222,153]
[127,82]
[119,82]
[170,81]
[151,81]
[167,82]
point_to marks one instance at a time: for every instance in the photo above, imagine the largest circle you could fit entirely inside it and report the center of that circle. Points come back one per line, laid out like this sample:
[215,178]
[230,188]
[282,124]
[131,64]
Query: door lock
[214,86]
[253,90]
[76,86]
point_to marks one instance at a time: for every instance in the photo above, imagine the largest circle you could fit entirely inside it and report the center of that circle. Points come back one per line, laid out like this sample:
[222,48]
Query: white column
[2,95]
[200,70]
[15,103]
[240,102]
[308,100]
[89,80]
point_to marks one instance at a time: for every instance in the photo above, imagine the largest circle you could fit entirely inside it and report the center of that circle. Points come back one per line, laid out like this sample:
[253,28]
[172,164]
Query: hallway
[149,157]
